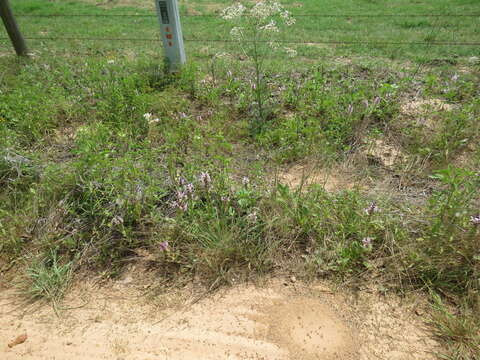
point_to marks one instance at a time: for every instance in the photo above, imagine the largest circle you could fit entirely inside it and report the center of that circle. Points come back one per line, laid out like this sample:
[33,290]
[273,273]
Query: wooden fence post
[12,28]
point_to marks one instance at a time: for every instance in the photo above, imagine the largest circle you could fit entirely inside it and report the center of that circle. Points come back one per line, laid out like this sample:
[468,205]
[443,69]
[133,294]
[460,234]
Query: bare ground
[275,320]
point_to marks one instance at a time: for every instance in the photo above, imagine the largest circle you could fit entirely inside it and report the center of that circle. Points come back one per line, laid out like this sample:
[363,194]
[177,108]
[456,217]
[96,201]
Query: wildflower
[376,101]
[367,242]
[475,220]
[245,181]
[183,115]
[271,26]
[233,11]
[205,179]
[225,198]
[350,109]
[371,209]
[164,246]
[147,116]
[182,181]
[285,14]
[139,192]
[117,220]
[111,61]
[290,21]
[264,9]
[273,45]
[291,52]
[252,217]
[455,77]
[189,189]
[180,204]
[236,32]
[181,195]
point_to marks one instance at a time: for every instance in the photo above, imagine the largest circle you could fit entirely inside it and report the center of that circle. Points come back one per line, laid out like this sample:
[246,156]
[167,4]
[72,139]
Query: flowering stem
[257,75]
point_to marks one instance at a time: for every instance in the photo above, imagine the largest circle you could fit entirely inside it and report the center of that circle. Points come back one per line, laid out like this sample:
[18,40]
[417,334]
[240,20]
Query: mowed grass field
[363,166]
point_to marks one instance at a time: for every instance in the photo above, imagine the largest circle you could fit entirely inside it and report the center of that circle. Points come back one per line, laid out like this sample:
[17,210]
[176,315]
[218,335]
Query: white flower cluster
[289,20]
[234,11]
[236,32]
[271,26]
[150,118]
[264,9]
[290,52]
[261,10]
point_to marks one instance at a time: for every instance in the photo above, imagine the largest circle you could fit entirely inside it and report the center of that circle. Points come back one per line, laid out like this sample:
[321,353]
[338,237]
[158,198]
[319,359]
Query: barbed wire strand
[325,42]
[217,15]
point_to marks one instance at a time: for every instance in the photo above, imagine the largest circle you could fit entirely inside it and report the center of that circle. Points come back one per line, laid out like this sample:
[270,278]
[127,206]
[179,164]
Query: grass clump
[48,278]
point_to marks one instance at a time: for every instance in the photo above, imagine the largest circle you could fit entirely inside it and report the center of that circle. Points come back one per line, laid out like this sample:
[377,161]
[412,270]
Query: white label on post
[171,32]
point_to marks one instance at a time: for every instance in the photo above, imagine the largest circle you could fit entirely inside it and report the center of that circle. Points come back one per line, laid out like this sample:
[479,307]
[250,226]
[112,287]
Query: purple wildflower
[182,206]
[189,189]
[181,195]
[117,220]
[475,220]
[205,179]
[376,101]
[367,242]
[252,217]
[164,246]
[225,198]
[371,209]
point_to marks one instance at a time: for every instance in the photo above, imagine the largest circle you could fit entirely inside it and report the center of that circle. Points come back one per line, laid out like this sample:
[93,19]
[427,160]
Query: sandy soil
[308,174]
[277,320]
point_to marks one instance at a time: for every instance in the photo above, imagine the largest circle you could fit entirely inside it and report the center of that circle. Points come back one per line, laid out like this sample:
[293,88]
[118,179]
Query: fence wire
[306,42]
[370,42]
[294,15]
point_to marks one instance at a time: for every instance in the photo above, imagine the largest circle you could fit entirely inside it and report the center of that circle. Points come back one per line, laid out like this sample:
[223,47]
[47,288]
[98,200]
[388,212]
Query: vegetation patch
[243,163]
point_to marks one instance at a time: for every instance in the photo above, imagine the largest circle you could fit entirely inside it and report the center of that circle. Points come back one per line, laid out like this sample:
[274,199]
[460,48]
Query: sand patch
[310,330]
[333,179]
[278,320]
[423,107]
[387,155]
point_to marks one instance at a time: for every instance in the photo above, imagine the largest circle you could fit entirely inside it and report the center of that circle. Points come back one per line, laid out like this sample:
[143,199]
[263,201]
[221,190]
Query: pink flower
[205,179]
[371,209]
[475,220]
[367,242]
[164,246]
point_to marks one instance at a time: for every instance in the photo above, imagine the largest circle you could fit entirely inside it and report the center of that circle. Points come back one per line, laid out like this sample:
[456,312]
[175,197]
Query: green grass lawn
[104,154]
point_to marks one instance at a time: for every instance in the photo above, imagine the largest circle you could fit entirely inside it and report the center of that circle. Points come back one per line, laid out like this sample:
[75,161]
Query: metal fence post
[171,33]
[12,28]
